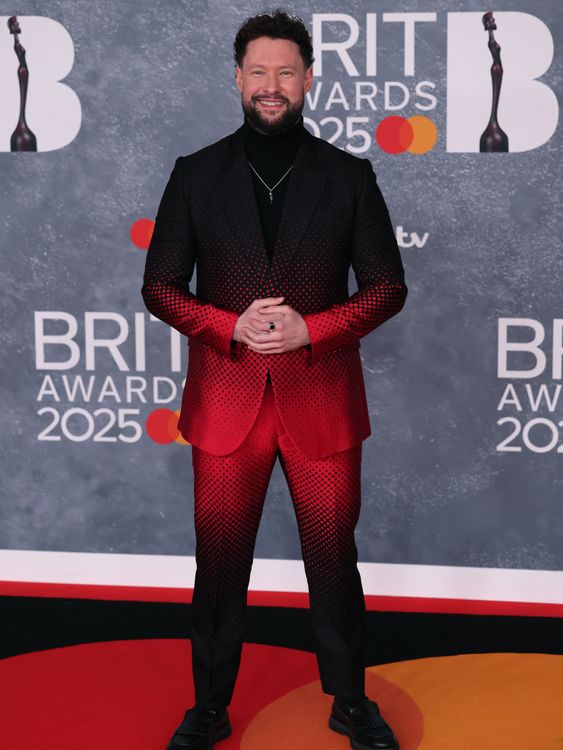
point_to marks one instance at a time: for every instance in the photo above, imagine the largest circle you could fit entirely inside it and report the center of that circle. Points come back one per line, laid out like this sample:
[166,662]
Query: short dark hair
[277,25]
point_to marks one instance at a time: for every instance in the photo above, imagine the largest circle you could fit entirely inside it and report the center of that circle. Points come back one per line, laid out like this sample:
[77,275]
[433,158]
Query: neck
[272,152]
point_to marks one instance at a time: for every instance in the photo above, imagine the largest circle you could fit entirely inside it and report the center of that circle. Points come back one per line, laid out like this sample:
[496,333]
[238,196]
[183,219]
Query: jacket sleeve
[168,271]
[379,272]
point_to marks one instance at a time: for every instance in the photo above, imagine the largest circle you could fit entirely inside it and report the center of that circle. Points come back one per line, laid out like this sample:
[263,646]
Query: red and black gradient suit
[311,411]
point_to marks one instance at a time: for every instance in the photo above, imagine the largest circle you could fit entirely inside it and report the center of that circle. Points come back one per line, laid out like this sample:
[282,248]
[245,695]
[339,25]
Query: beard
[267,126]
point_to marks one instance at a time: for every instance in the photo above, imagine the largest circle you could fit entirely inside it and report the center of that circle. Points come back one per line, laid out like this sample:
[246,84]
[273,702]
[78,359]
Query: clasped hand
[252,328]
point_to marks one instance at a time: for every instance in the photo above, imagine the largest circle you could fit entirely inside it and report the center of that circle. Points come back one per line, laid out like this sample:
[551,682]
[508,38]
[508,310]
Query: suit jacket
[333,216]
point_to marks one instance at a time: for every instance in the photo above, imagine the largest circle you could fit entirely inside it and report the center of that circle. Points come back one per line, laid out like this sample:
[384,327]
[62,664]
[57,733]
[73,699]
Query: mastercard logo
[162,427]
[416,134]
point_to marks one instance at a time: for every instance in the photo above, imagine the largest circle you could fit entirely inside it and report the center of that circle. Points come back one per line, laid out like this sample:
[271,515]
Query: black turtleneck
[271,156]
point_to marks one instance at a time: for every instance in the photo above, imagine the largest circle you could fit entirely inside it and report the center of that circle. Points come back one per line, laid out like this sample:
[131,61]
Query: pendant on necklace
[271,199]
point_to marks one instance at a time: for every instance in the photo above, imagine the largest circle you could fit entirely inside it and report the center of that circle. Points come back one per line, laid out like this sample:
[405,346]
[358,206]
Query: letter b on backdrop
[528,109]
[53,110]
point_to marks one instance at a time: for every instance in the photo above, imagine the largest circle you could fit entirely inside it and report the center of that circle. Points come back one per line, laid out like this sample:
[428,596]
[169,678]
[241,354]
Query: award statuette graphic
[494,138]
[22,138]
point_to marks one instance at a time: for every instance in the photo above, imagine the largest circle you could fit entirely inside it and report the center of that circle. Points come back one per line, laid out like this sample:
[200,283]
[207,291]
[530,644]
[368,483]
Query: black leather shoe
[361,721]
[200,729]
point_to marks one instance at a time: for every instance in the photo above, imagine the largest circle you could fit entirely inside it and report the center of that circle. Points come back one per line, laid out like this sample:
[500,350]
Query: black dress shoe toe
[200,729]
[361,720]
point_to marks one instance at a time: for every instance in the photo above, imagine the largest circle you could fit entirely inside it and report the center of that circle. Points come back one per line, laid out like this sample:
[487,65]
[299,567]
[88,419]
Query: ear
[308,79]
[238,78]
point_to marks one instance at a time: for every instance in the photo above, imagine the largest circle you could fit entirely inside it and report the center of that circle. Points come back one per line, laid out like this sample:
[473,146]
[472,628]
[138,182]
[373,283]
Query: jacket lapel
[235,192]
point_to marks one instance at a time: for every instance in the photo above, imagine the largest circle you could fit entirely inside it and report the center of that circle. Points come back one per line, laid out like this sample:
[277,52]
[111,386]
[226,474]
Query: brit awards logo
[356,108]
[491,104]
[38,111]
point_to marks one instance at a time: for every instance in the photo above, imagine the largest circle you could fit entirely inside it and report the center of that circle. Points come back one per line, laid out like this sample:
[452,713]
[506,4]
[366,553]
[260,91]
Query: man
[273,217]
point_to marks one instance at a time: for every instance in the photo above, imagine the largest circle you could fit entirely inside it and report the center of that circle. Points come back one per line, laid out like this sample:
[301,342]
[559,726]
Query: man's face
[273,83]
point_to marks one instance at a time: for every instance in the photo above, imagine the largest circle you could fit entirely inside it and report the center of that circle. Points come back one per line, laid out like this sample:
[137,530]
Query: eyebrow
[260,65]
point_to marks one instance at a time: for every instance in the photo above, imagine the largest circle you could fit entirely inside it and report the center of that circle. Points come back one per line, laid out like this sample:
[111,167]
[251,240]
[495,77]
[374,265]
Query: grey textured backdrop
[155,80]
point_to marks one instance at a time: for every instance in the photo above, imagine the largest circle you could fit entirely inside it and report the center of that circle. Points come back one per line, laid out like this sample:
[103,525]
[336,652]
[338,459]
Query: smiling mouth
[271,103]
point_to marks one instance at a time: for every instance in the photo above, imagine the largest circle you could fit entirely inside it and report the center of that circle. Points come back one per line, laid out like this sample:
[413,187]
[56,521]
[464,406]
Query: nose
[271,83]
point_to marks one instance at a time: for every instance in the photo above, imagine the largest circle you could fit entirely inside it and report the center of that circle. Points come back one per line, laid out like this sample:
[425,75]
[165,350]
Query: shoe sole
[222,734]
[341,728]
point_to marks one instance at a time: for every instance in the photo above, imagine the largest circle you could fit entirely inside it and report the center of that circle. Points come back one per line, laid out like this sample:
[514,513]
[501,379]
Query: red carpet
[132,694]
[128,694]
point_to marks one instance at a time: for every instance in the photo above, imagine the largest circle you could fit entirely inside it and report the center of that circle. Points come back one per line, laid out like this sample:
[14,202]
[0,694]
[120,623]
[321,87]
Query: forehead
[272,52]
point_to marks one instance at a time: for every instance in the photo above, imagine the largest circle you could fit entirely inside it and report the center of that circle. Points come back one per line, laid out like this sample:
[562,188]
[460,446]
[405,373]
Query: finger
[263,325]
[258,337]
[272,310]
[267,348]
[270,316]
[258,325]
[267,301]
[261,319]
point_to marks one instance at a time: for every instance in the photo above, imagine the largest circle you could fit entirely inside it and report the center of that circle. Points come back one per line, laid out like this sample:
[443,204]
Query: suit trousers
[229,494]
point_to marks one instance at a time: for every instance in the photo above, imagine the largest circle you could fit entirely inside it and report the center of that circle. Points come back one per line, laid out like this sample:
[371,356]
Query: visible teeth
[270,102]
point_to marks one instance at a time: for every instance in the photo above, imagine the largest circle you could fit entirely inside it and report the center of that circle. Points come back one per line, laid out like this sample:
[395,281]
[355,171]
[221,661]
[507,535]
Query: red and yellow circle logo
[416,134]
[162,427]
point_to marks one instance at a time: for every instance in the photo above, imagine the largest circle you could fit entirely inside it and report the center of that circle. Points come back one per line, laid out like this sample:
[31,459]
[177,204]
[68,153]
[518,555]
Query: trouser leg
[229,495]
[326,495]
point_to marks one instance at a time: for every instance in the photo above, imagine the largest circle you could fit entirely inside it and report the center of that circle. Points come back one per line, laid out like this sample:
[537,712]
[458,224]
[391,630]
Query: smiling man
[273,65]
[273,217]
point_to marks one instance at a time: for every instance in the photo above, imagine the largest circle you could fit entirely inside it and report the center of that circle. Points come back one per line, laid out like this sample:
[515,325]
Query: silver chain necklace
[270,189]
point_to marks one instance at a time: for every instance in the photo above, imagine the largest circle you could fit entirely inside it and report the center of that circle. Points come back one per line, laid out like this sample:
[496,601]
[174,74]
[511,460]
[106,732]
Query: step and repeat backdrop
[459,114]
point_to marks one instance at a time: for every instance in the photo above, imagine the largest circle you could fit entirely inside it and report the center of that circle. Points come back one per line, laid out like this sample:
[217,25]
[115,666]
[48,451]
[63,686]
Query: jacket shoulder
[213,152]
[339,159]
